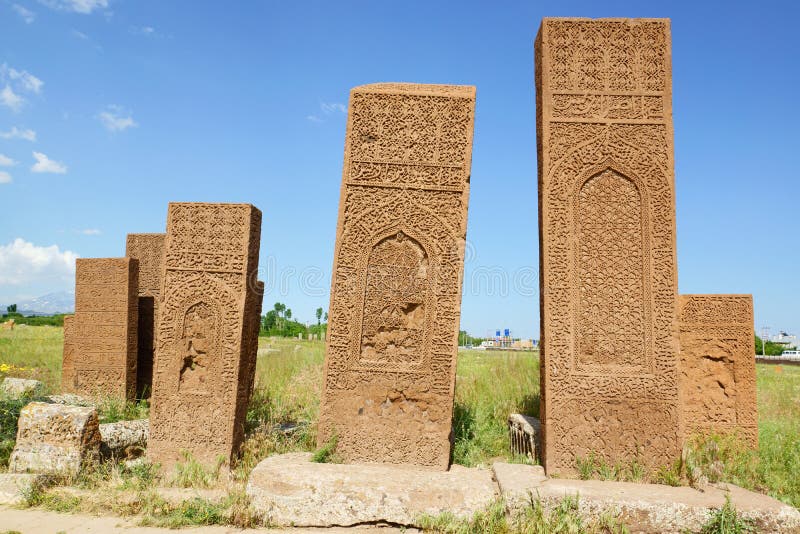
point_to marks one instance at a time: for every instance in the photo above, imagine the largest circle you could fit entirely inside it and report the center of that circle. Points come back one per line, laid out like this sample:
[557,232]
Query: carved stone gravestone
[718,367]
[396,290]
[68,353]
[255,317]
[608,274]
[101,338]
[204,346]
[148,249]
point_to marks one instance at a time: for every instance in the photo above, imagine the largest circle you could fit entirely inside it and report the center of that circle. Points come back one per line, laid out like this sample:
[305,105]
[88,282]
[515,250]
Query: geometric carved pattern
[100,339]
[608,275]
[398,265]
[718,370]
[205,346]
[610,263]
[148,249]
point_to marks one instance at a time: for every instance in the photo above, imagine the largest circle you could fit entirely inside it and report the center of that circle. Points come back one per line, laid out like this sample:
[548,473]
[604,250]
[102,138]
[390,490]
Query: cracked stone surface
[291,490]
[644,507]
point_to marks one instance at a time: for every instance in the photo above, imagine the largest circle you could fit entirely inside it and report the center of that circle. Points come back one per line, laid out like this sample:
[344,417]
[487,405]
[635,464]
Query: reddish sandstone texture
[718,367]
[100,340]
[148,250]
[608,273]
[398,265]
[207,338]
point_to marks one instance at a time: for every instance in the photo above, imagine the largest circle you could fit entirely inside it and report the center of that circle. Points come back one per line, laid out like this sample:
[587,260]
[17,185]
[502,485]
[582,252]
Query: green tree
[319,316]
[270,320]
[279,309]
[11,308]
[771,349]
[288,313]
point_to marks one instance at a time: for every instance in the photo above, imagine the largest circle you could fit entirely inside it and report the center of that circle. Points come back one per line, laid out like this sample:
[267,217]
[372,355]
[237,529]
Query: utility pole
[764,337]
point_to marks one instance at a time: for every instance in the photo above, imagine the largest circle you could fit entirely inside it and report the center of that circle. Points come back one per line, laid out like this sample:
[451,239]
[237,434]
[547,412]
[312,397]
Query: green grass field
[489,386]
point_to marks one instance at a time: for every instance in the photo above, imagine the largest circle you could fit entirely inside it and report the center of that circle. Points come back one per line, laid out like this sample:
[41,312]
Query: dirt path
[43,522]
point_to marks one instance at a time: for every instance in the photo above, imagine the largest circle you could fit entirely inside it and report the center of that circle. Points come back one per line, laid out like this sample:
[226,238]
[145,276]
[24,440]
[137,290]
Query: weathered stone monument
[609,372]
[148,249]
[718,372]
[54,438]
[100,339]
[398,264]
[205,346]
[255,316]
[68,353]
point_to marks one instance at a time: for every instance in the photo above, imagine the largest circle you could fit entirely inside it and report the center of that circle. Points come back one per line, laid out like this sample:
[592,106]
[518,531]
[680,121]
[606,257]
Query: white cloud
[16,82]
[22,262]
[80,35]
[27,15]
[328,108]
[91,231]
[334,107]
[5,161]
[28,81]
[10,99]
[16,133]
[84,7]
[5,178]
[116,119]
[147,31]
[45,164]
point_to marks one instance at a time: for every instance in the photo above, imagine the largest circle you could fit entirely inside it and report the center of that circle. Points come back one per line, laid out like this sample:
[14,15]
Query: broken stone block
[55,438]
[525,434]
[17,388]
[124,439]
[70,398]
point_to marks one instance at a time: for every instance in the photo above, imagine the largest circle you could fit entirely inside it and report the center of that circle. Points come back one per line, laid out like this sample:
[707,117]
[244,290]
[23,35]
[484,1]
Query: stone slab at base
[14,486]
[289,489]
[644,507]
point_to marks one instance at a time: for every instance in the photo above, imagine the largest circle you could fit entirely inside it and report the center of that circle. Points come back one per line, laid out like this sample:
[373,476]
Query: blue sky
[109,109]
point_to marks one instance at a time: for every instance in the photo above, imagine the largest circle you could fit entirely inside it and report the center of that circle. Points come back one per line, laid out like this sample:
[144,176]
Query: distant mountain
[60,302]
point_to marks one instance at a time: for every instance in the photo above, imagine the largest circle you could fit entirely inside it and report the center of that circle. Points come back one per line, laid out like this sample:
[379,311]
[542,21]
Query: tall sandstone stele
[398,266]
[100,339]
[608,273]
[148,250]
[205,346]
[718,368]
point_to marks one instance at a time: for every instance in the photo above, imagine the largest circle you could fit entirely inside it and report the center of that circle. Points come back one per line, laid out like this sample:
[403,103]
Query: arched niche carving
[611,255]
[198,346]
[395,319]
